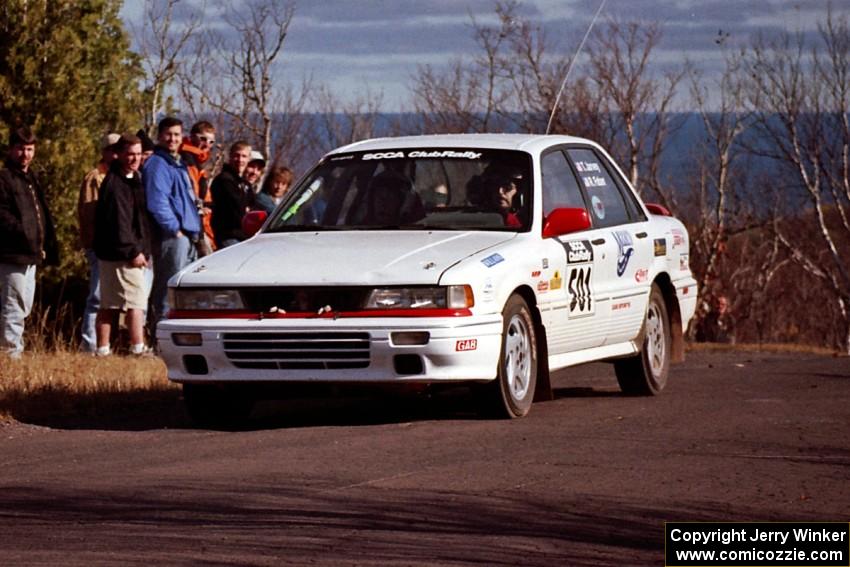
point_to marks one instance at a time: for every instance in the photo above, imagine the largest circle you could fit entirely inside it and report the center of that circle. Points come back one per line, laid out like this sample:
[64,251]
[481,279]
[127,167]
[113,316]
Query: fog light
[195,364]
[187,339]
[407,364]
[408,338]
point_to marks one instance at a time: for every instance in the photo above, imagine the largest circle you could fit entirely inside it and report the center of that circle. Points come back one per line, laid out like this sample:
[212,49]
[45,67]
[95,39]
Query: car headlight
[444,297]
[204,299]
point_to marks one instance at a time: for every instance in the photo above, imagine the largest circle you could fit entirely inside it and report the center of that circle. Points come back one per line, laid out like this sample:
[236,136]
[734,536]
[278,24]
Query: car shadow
[585,392]
[132,410]
[163,409]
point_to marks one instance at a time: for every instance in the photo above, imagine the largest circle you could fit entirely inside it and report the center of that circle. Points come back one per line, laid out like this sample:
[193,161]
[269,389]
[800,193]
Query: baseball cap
[257,156]
[109,140]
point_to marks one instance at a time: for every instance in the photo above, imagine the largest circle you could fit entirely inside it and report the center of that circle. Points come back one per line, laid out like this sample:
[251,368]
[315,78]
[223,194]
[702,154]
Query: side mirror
[252,221]
[565,221]
[656,209]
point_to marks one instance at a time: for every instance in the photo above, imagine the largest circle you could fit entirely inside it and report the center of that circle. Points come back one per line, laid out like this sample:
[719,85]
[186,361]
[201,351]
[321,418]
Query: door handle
[641,235]
[598,241]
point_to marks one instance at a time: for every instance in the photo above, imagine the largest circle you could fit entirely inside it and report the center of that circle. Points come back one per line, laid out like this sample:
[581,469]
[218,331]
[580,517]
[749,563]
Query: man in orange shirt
[195,152]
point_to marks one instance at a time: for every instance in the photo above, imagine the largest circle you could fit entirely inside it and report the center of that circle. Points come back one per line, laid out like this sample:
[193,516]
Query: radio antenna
[570,68]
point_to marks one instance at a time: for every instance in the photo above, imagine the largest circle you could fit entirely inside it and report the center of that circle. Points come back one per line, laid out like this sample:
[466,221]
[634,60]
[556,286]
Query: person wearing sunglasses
[195,153]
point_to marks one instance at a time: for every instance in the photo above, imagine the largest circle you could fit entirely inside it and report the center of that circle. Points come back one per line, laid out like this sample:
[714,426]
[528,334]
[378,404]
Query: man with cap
[254,170]
[27,239]
[86,206]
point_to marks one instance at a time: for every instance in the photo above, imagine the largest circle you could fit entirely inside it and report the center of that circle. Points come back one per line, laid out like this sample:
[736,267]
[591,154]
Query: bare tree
[162,44]
[510,85]
[448,101]
[262,29]
[240,84]
[467,96]
[200,85]
[724,120]
[532,76]
[341,123]
[635,102]
[799,97]
[752,265]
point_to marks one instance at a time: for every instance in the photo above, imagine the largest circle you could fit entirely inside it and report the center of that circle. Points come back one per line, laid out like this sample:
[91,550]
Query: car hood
[339,258]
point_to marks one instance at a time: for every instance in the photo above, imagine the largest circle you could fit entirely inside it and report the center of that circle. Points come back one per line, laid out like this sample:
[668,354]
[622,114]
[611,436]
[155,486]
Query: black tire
[510,395]
[645,374]
[211,405]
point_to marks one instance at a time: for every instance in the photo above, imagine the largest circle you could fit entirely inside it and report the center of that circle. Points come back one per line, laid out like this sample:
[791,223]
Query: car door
[619,218]
[574,308]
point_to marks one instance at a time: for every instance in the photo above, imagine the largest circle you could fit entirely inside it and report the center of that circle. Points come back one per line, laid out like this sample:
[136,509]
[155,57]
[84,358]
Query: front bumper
[308,350]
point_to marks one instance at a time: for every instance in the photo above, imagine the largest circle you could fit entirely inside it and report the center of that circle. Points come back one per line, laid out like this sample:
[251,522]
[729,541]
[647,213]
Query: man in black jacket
[27,239]
[122,245]
[232,197]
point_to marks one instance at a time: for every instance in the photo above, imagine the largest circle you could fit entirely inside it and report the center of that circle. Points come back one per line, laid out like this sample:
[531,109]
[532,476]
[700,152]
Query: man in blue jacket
[171,203]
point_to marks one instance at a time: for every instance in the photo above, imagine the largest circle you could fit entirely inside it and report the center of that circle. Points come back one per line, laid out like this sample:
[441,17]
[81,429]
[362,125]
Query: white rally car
[485,259]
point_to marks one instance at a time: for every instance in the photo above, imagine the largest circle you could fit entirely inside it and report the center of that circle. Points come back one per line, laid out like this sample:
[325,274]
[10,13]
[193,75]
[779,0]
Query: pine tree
[66,69]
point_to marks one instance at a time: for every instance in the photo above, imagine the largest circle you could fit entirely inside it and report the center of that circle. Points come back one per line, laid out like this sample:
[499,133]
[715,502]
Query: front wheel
[511,393]
[645,374]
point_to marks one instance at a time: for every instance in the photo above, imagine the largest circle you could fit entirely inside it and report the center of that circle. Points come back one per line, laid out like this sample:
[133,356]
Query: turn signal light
[187,339]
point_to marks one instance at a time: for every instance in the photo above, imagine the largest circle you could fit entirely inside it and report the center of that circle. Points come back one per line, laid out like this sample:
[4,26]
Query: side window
[560,187]
[631,201]
[606,201]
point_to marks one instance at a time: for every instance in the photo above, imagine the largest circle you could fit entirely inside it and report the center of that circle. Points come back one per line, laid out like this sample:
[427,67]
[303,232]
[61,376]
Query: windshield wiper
[372,227]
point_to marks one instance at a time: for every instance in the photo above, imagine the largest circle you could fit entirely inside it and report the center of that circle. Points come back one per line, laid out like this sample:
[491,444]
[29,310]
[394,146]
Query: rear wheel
[645,374]
[212,405]
[511,393]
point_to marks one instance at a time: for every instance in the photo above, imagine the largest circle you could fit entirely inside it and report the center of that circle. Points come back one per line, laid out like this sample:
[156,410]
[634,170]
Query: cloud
[383,12]
[374,38]
[379,43]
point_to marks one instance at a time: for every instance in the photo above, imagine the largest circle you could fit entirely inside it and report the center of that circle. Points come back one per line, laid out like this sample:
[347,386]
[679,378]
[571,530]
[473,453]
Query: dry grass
[49,386]
[51,328]
[55,385]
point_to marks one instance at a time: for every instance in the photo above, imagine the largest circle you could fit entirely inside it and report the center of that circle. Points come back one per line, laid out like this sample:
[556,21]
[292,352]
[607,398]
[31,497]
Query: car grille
[297,350]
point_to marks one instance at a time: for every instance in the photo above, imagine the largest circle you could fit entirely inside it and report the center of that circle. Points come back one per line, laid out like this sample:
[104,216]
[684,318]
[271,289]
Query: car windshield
[410,189]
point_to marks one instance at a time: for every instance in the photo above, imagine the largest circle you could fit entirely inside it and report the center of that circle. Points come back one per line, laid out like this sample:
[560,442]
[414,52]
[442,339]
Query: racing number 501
[579,288]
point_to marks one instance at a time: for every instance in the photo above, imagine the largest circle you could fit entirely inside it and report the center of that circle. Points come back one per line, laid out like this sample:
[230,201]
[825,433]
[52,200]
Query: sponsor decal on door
[625,249]
[578,251]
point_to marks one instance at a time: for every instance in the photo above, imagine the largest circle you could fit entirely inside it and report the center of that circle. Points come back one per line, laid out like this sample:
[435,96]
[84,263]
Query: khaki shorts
[122,287]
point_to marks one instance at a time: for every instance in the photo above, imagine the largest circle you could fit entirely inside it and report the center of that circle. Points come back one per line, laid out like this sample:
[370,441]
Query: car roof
[525,142]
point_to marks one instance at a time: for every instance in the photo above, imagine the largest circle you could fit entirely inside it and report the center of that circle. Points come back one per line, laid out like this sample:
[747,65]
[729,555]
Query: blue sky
[358,45]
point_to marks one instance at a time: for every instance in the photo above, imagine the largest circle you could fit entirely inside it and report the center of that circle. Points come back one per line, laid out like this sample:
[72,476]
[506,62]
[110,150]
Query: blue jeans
[17,291]
[89,339]
[171,255]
